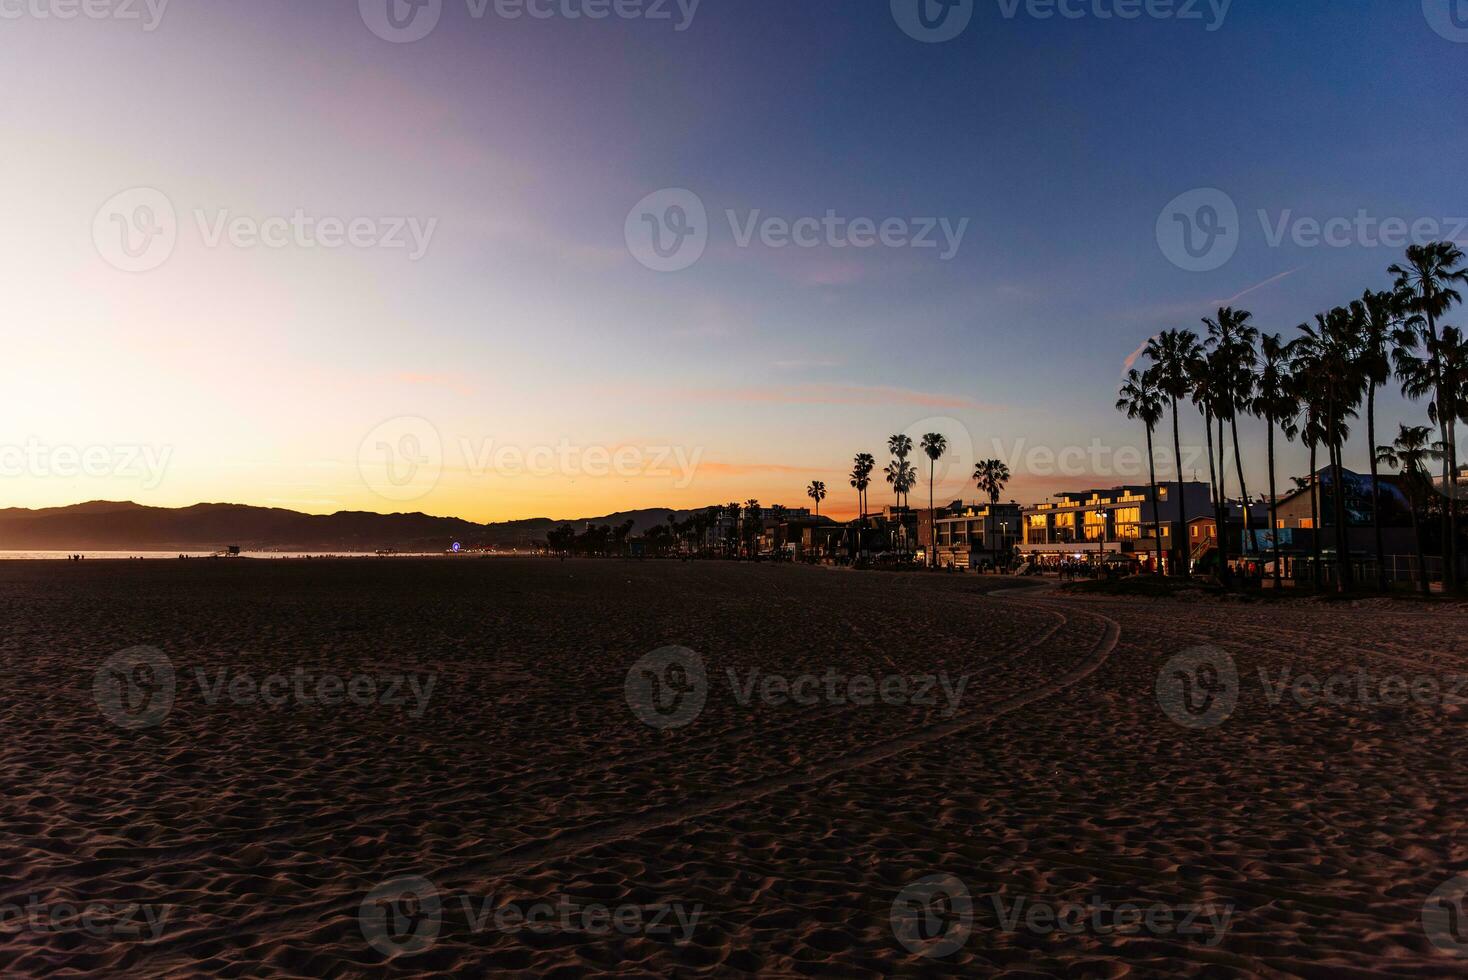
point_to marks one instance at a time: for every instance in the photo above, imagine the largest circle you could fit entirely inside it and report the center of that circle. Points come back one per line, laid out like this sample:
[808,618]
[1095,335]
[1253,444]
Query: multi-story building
[976,535]
[1118,520]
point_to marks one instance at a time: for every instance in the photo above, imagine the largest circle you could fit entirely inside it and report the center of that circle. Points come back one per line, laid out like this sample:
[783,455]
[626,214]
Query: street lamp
[1101,535]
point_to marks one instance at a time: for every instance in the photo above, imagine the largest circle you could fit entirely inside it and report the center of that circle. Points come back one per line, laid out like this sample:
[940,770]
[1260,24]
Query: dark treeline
[1315,386]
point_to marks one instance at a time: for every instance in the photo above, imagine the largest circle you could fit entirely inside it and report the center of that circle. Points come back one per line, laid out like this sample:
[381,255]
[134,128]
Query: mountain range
[126,526]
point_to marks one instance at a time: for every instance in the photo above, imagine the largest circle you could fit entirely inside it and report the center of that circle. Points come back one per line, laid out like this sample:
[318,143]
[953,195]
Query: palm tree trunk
[1315,527]
[1243,488]
[1338,505]
[1213,490]
[1274,508]
[1224,574]
[1381,583]
[1152,482]
[932,520]
[1450,463]
[1180,524]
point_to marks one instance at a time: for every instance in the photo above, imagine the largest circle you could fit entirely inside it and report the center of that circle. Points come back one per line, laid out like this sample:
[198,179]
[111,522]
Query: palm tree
[1172,353]
[1409,453]
[1204,372]
[817,492]
[1428,285]
[1275,402]
[991,476]
[1141,400]
[752,525]
[1375,321]
[900,446]
[934,445]
[1234,337]
[1326,359]
[861,478]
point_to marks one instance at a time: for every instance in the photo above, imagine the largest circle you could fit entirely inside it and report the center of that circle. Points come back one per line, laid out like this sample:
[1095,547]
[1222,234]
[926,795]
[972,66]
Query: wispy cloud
[823,394]
[1182,309]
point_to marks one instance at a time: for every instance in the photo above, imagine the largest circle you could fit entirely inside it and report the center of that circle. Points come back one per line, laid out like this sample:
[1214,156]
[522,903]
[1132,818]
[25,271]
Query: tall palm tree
[1172,353]
[1234,338]
[861,478]
[1428,283]
[752,525]
[817,492]
[1276,404]
[1409,454]
[1326,359]
[934,445]
[991,476]
[1205,374]
[1376,319]
[1141,400]
[900,446]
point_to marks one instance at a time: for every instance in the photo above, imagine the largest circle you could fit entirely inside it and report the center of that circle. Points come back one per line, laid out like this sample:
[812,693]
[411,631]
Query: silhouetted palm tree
[1141,399]
[861,478]
[1172,353]
[752,525]
[1205,372]
[1409,453]
[1326,361]
[817,492]
[1275,402]
[1376,320]
[934,445]
[991,476]
[1234,337]
[1428,283]
[900,446]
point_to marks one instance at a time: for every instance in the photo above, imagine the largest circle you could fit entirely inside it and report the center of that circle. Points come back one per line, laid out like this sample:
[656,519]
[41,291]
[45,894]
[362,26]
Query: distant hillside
[112,526]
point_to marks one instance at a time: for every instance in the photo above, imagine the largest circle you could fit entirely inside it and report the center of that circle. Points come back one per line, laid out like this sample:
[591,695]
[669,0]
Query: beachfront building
[976,535]
[1089,523]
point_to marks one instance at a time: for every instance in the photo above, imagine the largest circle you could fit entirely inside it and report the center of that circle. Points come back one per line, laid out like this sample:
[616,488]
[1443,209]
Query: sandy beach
[448,767]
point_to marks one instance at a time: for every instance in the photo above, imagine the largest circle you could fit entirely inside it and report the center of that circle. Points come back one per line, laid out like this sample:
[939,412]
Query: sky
[568,257]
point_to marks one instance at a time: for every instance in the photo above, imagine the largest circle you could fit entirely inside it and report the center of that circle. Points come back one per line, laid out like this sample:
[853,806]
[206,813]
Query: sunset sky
[520,147]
